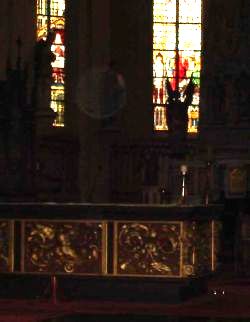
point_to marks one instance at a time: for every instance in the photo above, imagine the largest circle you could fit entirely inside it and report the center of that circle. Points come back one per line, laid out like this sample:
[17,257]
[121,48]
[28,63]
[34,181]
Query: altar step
[75,288]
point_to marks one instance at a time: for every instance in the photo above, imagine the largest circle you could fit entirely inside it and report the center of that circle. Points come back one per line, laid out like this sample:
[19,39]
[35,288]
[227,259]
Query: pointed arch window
[176,55]
[50,17]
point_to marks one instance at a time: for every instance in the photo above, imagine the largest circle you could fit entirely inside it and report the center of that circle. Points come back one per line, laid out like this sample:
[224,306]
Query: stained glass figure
[50,18]
[176,56]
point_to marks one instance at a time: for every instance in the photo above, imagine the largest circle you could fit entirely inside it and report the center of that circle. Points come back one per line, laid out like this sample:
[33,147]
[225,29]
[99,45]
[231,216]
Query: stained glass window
[176,55]
[50,18]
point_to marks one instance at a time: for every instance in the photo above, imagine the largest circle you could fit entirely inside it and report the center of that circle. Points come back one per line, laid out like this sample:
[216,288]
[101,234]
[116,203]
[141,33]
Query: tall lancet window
[50,19]
[176,55]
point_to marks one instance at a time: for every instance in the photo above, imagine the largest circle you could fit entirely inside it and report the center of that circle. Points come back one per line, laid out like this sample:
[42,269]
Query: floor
[226,298]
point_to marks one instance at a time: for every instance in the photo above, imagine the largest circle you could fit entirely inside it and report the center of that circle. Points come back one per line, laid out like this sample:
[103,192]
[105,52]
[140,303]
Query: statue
[177,112]
[41,92]
[43,57]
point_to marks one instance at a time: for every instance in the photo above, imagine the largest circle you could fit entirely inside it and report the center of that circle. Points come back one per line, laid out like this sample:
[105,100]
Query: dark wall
[131,47]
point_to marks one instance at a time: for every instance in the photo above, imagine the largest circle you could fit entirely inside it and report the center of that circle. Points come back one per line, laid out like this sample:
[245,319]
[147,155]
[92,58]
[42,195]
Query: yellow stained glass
[164,11]
[176,55]
[57,104]
[190,11]
[50,17]
[57,8]
[42,27]
[41,7]
[193,116]
[165,36]
[57,93]
[188,42]
[57,23]
[160,120]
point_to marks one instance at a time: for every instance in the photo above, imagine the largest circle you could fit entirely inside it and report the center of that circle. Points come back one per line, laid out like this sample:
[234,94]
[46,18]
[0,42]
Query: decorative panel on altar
[75,247]
[6,246]
[170,248]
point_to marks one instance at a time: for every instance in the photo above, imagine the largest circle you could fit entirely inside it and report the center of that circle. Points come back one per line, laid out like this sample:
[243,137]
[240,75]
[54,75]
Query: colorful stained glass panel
[159,92]
[58,49]
[191,62]
[164,63]
[164,66]
[57,23]
[176,55]
[196,97]
[42,27]
[50,16]
[193,118]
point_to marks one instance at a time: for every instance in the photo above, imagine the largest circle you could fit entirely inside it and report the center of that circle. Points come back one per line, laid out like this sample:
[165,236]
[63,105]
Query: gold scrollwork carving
[148,248]
[63,247]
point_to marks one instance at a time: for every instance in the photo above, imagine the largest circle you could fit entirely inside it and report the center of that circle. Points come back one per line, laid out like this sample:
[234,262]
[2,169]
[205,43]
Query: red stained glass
[50,17]
[176,54]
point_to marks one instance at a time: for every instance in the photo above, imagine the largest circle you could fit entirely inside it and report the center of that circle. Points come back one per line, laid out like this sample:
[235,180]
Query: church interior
[125,160]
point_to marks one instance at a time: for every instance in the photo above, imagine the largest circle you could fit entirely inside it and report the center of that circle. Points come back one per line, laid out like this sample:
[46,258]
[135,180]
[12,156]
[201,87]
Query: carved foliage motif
[172,249]
[148,248]
[63,247]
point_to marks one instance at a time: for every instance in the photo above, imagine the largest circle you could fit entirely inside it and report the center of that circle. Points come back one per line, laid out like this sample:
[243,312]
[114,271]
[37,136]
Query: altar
[127,251]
